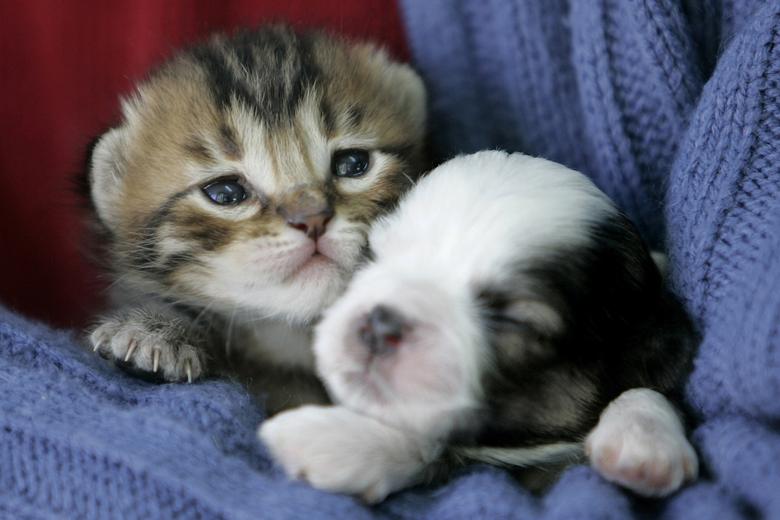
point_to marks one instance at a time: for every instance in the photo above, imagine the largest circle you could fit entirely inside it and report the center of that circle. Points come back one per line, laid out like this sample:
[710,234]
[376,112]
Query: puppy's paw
[337,450]
[640,444]
[154,346]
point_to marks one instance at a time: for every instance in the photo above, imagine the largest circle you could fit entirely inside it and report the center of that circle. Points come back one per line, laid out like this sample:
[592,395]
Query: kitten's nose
[313,225]
[306,208]
[382,330]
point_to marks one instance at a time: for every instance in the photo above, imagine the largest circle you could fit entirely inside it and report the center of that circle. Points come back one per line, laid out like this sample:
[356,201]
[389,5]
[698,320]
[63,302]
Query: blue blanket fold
[79,439]
[672,108]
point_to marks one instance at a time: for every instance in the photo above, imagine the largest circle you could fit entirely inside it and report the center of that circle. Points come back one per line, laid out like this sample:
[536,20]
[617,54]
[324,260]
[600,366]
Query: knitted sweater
[672,109]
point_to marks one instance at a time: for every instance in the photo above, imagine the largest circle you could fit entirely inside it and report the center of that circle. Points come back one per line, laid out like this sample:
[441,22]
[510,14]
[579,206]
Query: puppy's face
[468,309]
[404,347]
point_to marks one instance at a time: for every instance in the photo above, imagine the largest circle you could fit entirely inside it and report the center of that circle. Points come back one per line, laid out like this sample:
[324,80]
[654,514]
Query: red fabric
[62,66]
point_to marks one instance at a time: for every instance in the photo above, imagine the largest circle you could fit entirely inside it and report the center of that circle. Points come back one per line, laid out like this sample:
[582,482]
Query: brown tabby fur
[269,108]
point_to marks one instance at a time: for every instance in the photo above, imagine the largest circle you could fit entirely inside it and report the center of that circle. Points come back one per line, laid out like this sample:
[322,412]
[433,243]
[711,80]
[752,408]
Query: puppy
[510,315]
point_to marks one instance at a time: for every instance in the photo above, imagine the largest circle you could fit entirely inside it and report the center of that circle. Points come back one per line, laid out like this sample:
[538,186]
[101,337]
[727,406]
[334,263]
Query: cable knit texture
[671,107]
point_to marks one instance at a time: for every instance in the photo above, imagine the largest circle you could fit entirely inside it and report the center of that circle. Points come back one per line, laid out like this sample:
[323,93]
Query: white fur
[640,443]
[276,277]
[430,383]
[464,226]
[336,449]
[525,457]
[474,214]
[461,228]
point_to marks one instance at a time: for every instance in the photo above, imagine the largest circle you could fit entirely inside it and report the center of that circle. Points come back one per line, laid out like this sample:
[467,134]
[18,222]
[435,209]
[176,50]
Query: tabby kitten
[236,195]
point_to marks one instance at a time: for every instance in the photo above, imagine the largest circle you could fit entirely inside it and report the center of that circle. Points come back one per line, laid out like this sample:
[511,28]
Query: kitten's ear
[106,172]
[403,80]
[410,86]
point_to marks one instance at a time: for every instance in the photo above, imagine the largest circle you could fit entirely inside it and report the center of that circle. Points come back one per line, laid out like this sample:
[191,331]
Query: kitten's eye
[349,163]
[225,192]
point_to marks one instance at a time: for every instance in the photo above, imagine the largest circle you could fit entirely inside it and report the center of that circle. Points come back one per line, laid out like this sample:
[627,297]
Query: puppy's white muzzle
[402,348]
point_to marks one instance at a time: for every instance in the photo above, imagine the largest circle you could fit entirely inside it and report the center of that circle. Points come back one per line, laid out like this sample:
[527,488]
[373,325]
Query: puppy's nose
[382,331]
[313,225]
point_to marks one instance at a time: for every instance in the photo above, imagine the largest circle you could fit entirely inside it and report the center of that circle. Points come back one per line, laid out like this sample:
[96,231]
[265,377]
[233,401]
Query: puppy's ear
[106,168]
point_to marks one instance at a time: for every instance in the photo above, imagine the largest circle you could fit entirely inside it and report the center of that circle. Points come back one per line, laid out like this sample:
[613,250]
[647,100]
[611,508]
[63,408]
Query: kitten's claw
[152,346]
[130,349]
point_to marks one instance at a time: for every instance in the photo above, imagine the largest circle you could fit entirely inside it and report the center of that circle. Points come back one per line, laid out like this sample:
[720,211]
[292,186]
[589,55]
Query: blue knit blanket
[671,107]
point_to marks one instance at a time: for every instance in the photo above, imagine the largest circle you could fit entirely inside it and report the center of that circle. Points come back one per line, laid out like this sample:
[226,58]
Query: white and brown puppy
[511,315]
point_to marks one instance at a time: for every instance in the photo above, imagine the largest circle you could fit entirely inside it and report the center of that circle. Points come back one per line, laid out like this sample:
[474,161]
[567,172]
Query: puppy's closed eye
[520,329]
[534,314]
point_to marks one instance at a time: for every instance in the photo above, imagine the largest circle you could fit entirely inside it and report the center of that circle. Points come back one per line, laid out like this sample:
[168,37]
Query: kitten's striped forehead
[273,117]
[267,73]
[273,105]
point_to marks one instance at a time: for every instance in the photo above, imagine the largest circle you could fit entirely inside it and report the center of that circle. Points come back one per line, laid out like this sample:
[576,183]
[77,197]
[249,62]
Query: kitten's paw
[154,346]
[336,450]
[640,444]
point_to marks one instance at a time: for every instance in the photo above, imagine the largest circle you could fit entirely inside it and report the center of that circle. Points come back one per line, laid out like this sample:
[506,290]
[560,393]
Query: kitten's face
[247,171]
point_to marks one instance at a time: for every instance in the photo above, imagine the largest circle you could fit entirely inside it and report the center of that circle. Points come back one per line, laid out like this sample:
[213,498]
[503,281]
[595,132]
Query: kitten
[236,194]
[509,303]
